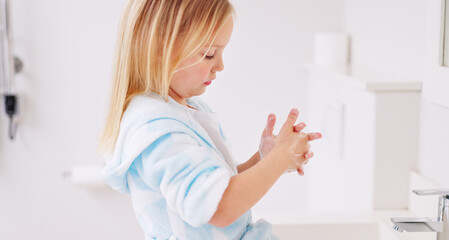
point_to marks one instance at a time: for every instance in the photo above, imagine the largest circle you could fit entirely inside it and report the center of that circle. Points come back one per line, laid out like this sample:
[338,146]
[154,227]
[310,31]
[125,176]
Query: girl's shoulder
[145,108]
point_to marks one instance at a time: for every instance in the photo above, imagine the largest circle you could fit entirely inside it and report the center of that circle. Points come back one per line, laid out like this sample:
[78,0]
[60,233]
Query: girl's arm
[248,164]
[248,187]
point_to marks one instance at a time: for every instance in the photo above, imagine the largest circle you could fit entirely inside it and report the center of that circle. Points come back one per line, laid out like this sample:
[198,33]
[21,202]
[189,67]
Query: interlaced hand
[268,141]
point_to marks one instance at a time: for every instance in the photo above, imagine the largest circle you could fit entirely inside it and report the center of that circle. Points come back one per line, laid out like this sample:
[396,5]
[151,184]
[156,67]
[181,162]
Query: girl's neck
[179,99]
[176,97]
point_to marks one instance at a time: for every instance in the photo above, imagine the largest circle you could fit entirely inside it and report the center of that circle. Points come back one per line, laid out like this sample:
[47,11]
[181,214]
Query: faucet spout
[397,228]
[439,224]
[417,224]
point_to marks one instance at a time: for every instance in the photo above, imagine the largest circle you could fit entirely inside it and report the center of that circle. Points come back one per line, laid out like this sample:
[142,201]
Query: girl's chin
[196,93]
[200,91]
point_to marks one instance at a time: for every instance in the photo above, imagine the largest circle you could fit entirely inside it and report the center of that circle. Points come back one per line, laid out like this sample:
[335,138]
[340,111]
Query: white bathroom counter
[349,222]
[367,79]
[344,217]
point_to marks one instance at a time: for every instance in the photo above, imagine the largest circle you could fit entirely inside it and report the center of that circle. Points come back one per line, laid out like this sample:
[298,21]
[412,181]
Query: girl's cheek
[205,70]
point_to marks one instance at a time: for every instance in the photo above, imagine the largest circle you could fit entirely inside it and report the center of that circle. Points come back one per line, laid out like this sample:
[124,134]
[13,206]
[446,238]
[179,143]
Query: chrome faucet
[440,224]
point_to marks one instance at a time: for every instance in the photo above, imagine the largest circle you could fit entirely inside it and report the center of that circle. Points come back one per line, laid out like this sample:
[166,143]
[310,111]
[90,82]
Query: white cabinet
[370,131]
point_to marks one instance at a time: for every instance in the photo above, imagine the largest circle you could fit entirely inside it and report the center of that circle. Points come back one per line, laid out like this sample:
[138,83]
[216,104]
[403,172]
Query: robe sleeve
[190,176]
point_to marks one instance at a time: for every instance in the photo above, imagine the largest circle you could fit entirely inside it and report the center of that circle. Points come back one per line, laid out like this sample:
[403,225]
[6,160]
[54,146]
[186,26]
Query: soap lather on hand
[268,141]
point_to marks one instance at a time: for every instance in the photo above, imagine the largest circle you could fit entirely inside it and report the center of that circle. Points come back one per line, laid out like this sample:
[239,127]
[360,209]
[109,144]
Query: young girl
[165,146]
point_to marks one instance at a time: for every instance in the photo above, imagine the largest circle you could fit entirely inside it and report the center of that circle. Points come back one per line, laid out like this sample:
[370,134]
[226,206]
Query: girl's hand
[309,154]
[295,142]
[268,141]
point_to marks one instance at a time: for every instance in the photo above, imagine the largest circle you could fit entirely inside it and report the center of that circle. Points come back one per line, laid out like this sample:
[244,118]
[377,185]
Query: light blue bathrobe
[174,173]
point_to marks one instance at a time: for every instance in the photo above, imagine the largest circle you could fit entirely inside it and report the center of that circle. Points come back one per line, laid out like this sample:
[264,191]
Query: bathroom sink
[328,231]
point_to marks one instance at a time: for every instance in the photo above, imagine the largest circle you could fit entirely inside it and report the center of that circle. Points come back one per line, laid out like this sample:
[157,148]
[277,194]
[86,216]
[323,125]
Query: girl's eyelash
[209,57]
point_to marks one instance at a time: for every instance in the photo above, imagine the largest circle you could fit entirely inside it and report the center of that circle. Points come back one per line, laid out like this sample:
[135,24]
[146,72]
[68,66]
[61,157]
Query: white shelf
[367,79]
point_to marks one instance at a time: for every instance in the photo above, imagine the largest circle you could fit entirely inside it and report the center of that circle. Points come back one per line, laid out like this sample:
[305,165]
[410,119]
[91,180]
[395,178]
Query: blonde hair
[154,37]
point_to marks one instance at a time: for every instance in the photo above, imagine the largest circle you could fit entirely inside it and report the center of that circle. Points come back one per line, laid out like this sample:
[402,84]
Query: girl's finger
[314,136]
[299,127]
[291,119]
[308,147]
[310,154]
[268,131]
[300,162]
[300,171]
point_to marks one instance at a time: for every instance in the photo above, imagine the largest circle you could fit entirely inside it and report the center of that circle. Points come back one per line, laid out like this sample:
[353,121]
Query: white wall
[67,49]
[389,36]
[434,152]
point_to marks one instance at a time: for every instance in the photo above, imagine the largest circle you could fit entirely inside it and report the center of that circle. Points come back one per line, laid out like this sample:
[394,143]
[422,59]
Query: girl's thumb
[291,119]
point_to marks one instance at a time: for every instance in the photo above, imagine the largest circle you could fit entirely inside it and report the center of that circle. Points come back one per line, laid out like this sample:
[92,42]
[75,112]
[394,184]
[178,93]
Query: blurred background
[63,90]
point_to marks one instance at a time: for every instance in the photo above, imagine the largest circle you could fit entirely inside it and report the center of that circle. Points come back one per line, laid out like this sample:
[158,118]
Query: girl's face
[192,81]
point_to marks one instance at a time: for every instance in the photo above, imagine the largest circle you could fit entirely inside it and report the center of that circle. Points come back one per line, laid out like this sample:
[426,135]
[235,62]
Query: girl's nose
[219,66]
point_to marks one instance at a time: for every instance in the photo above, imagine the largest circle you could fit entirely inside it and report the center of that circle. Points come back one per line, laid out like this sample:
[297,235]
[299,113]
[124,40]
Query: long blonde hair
[154,37]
